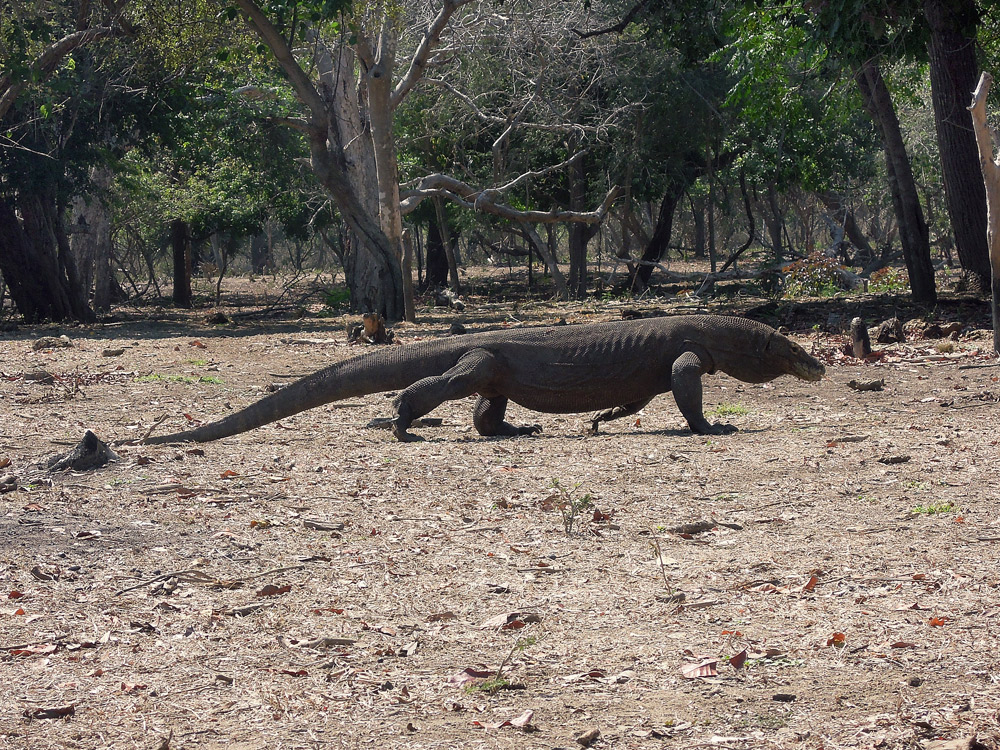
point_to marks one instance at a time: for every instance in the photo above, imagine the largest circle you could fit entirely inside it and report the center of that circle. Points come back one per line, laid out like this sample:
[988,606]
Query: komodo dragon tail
[387,369]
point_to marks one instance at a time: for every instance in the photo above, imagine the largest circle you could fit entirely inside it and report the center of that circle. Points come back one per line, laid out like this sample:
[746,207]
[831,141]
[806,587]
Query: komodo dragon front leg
[615,413]
[685,382]
[475,372]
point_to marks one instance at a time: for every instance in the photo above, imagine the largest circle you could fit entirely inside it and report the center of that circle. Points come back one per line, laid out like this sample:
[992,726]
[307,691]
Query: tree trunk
[448,244]
[774,219]
[953,68]
[37,263]
[579,235]
[700,233]
[562,291]
[436,274]
[261,253]
[845,217]
[91,241]
[990,168]
[913,233]
[658,243]
[180,242]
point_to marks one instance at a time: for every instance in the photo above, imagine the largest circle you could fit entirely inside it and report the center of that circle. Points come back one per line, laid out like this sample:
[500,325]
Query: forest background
[396,142]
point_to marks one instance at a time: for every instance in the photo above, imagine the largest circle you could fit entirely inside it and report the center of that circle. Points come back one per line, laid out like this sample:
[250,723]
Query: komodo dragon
[618,367]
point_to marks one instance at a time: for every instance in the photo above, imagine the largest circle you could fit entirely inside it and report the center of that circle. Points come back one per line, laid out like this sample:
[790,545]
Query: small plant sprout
[730,410]
[569,505]
[933,509]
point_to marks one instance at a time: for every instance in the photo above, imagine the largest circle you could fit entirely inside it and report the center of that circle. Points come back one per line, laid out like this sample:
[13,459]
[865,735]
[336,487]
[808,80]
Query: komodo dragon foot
[402,435]
[715,429]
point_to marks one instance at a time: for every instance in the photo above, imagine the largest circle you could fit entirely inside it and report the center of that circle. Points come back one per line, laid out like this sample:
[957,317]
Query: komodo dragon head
[792,359]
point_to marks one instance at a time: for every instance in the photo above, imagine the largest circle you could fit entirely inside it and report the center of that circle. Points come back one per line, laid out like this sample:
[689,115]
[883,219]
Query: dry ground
[857,572]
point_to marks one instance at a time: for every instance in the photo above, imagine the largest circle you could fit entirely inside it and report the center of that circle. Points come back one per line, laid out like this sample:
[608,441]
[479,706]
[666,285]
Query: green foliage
[730,410]
[814,276]
[933,509]
[337,298]
[889,281]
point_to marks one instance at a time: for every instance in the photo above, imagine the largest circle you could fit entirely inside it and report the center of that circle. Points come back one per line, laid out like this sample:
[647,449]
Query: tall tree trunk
[658,243]
[436,274]
[448,244]
[579,234]
[953,68]
[913,233]
[180,242]
[261,252]
[90,240]
[37,263]
[845,217]
[700,232]
[774,219]
[991,181]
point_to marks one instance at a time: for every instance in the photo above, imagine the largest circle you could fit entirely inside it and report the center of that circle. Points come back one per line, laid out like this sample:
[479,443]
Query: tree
[40,100]
[991,182]
[953,71]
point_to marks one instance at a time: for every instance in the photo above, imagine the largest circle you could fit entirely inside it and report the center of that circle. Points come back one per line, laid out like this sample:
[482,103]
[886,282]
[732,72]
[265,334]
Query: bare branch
[283,54]
[497,120]
[467,196]
[617,28]
[422,55]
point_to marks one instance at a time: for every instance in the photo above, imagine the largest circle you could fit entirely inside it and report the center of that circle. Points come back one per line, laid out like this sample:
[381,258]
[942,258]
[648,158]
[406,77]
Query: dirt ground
[315,584]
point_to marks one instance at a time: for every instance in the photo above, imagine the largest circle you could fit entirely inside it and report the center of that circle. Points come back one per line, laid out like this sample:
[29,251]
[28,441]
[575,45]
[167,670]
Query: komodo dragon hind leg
[488,415]
[615,413]
[473,372]
[685,382]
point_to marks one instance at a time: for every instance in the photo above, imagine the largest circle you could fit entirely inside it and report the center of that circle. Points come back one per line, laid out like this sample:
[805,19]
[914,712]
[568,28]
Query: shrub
[814,276]
[889,281]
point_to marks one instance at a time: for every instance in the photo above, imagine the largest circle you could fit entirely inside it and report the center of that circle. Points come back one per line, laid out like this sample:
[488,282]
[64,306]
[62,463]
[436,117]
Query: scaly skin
[615,367]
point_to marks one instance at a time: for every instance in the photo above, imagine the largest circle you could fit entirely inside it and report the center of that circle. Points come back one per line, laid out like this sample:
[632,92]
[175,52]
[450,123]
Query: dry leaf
[736,661]
[708,668]
[272,590]
[43,648]
[837,640]
[937,622]
[523,720]
[468,675]
[50,713]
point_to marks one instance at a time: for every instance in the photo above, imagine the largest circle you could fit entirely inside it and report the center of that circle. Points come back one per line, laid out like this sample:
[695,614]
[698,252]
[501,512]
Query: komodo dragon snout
[800,363]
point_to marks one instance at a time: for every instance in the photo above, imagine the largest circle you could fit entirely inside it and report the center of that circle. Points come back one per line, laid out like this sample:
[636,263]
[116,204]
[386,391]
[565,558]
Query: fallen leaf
[736,661]
[272,590]
[707,668]
[468,675]
[837,640]
[15,594]
[228,474]
[811,583]
[507,621]
[43,648]
[902,644]
[197,344]
[131,687]
[441,617]
[523,720]
[937,622]
[50,713]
